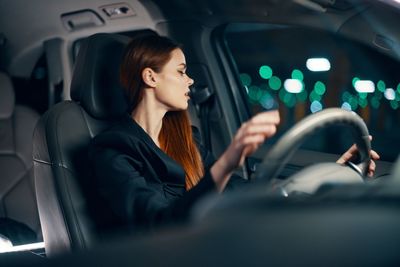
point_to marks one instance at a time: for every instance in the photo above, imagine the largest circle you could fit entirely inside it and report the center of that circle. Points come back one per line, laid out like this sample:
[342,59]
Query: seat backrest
[62,177]
[17,197]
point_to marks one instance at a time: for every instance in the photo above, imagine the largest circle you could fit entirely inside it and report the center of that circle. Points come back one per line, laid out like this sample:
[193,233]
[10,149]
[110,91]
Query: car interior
[59,88]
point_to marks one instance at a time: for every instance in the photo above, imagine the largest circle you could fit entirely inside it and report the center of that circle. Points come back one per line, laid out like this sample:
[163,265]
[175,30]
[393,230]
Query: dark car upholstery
[62,176]
[18,208]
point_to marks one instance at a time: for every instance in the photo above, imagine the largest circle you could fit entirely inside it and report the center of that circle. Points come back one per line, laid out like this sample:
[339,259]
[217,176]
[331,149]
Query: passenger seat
[18,208]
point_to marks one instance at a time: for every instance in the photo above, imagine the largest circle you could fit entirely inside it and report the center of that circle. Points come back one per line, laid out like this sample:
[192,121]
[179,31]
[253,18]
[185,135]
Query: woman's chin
[180,108]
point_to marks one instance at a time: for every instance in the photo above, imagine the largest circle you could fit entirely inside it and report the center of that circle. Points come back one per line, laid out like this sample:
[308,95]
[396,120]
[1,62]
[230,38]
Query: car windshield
[304,70]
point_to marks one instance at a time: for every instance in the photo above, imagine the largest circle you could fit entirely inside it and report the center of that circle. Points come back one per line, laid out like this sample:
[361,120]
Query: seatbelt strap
[53,59]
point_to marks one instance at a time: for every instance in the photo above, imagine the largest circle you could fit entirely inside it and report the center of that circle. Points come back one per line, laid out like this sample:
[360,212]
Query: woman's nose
[190,81]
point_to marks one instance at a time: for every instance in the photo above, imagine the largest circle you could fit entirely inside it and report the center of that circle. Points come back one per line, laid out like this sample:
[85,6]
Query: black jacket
[142,185]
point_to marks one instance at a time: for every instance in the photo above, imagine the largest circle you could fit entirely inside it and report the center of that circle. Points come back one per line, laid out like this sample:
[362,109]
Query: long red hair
[176,140]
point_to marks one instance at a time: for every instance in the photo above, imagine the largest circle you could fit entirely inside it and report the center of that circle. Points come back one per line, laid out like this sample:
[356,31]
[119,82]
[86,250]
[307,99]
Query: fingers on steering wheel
[269,117]
[374,155]
[371,168]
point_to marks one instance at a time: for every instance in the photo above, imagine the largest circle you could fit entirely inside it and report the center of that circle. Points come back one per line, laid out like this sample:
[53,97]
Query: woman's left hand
[352,152]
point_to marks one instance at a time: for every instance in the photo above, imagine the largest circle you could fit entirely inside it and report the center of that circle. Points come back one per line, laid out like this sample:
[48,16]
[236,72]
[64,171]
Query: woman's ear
[148,76]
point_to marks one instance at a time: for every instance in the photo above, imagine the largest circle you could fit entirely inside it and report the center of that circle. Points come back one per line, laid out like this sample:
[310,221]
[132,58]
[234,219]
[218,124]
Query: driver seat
[62,177]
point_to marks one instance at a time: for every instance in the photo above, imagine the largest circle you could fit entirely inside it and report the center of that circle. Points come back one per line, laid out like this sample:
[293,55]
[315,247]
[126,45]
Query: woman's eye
[182,72]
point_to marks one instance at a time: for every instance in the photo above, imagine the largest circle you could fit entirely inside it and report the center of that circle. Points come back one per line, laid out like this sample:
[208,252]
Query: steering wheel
[273,162]
[309,179]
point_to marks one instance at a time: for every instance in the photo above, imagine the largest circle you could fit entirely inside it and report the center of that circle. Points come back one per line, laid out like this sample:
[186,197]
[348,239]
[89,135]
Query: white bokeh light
[293,86]
[318,64]
[390,94]
[364,86]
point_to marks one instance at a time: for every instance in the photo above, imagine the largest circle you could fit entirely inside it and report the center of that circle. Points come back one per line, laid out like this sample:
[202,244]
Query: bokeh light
[381,86]
[362,102]
[394,104]
[297,74]
[265,72]
[362,95]
[302,96]
[245,79]
[267,101]
[346,106]
[364,86]
[255,93]
[353,82]
[390,94]
[294,86]
[353,102]
[319,88]
[314,96]
[375,103]
[318,64]
[315,106]
[346,96]
[275,83]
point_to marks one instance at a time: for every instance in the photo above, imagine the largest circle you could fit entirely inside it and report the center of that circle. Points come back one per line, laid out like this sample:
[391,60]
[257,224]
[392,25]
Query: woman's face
[172,90]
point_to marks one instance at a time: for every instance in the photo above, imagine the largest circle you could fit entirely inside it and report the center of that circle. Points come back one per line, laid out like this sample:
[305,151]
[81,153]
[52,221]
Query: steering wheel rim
[283,150]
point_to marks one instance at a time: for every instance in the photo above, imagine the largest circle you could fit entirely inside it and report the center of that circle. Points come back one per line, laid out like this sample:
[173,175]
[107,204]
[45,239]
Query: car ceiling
[24,28]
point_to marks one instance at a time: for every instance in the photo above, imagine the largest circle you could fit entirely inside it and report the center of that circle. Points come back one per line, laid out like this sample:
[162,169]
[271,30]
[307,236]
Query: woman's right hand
[247,139]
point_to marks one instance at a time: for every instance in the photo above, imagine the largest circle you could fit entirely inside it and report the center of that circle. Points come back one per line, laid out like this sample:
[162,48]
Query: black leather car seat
[62,176]
[17,195]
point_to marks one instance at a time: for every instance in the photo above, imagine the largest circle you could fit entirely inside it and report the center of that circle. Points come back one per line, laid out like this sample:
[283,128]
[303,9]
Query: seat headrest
[7,96]
[95,80]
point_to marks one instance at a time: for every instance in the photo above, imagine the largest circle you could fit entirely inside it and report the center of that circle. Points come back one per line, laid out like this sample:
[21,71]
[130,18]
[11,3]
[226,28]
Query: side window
[306,70]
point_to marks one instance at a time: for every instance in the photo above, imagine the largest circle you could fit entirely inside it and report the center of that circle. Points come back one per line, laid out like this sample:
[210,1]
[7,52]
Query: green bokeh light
[287,98]
[397,96]
[378,94]
[245,79]
[398,88]
[353,102]
[314,96]
[275,83]
[362,102]
[265,72]
[375,103]
[320,88]
[255,93]
[290,100]
[302,96]
[297,74]
[381,86]
[346,96]
[362,95]
[353,82]
[282,94]
[394,104]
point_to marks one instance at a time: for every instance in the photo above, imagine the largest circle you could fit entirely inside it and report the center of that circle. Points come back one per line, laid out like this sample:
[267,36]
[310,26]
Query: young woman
[151,168]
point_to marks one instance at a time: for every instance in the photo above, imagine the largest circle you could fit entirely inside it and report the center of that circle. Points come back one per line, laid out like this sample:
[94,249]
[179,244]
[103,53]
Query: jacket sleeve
[236,182]
[130,196]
